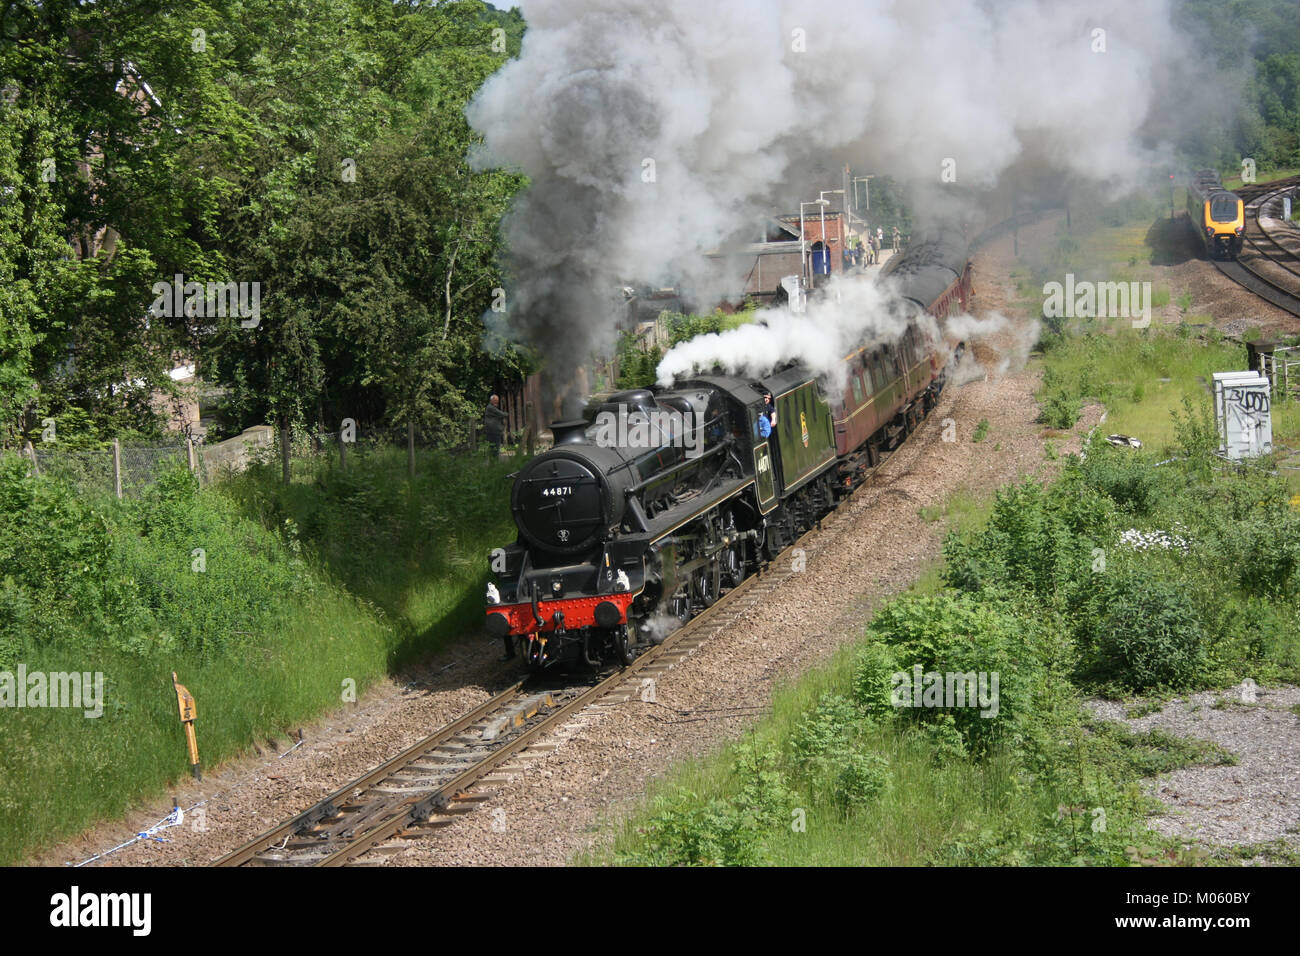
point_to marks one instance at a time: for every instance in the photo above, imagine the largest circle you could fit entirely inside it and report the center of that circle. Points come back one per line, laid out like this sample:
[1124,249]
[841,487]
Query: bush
[725,831]
[1060,411]
[872,681]
[1263,553]
[945,739]
[957,635]
[55,554]
[1142,634]
[825,729]
[1036,538]
[1127,479]
[862,778]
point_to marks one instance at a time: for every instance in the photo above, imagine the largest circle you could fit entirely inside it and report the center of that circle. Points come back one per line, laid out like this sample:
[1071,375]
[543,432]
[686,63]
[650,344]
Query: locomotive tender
[621,539]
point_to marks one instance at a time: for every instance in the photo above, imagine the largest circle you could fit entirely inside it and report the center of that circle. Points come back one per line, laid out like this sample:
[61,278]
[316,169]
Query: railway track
[1269,263]
[451,772]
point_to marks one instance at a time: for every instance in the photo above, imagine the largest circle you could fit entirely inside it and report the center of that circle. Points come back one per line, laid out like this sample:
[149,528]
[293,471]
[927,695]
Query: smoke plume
[653,132]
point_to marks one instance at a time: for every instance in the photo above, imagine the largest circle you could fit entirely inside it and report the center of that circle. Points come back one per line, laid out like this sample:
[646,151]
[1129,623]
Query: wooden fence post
[31,453]
[343,452]
[528,427]
[286,437]
[410,448]
[117,468]
[190,457]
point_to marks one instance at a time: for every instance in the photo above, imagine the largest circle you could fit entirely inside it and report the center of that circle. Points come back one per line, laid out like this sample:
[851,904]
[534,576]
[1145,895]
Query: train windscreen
[1223,207]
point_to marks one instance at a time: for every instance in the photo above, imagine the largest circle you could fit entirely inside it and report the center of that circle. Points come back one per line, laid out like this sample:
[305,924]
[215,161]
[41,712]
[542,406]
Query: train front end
[565,590]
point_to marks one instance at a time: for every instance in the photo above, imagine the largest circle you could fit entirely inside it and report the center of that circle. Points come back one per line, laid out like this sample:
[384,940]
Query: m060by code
[1222,897]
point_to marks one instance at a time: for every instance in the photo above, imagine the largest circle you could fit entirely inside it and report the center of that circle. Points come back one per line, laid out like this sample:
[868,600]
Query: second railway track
[1269,263]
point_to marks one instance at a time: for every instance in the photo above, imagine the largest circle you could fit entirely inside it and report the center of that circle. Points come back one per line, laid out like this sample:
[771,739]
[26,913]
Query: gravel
[1255,801]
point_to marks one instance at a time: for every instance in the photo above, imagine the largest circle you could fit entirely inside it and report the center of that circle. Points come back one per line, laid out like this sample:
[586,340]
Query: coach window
[857,390]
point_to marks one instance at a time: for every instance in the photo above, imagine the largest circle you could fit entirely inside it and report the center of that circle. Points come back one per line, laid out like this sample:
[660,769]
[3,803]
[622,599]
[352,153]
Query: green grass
[1261,176]
[63,772]
[306,592]
[935,807]
[1142,377]
[417,551]
[962,510]
[1279,852]
[925,807]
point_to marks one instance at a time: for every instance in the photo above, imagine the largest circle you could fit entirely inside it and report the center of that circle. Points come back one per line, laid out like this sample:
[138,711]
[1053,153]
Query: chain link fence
[126,471]
[129,470]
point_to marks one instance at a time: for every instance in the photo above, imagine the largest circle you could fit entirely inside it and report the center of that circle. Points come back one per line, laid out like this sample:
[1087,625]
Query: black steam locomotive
[655,502]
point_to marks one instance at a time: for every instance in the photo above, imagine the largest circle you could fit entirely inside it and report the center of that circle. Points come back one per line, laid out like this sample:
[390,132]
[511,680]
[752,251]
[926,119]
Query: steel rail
[328,807]
[1254,280]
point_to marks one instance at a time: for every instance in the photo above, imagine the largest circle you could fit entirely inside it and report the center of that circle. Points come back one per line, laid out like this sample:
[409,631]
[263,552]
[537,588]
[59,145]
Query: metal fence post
[117,468]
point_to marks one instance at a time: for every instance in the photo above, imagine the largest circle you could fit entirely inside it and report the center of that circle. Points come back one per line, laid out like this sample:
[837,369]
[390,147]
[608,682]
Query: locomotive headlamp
[557,586]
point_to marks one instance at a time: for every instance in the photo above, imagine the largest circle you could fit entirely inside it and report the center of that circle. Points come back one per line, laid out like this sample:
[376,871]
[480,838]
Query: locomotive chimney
[569,432]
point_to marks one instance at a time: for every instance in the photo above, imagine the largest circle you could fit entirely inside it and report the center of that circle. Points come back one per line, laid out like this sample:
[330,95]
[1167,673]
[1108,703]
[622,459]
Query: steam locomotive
[654,502]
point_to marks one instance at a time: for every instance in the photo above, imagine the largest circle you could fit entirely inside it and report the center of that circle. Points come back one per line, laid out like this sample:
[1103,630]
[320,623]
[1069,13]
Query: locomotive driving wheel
[624,646]
[732,564]
[680,606]
[731,560]
[706,583]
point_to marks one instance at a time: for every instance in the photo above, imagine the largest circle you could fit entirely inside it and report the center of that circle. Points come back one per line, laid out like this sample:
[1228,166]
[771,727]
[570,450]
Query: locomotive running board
[662,527]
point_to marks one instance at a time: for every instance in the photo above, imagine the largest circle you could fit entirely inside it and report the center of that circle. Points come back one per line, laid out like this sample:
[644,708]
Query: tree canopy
[316,148]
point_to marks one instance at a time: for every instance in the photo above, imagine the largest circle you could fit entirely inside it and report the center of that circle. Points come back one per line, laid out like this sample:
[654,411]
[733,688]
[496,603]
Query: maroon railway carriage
[891,386]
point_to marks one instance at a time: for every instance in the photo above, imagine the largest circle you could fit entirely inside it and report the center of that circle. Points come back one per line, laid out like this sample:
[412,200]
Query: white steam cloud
[653,132]
[853,311]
